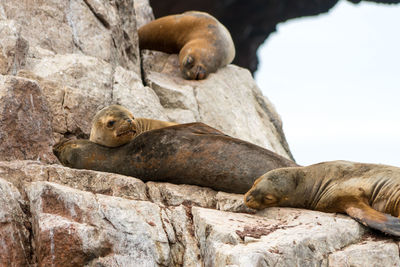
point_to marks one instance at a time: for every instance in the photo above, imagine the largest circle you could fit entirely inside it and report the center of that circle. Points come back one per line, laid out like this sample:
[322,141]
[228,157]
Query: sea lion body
[191,153]
[115,126]
[366,192]
[203,43]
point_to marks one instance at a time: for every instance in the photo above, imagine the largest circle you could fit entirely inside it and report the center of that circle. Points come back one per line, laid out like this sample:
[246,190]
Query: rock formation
[61,62]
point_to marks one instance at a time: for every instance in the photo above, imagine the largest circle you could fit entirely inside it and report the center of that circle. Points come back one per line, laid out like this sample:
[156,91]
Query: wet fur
[192,153]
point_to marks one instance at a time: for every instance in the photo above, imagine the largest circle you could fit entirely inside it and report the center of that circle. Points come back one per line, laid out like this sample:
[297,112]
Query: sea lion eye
[110,124]
[269,198]
[189,61]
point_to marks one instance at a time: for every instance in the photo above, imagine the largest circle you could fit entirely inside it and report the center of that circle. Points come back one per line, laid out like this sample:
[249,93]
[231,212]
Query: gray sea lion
[203,43]
[366,192]
[192,153]
[115,126]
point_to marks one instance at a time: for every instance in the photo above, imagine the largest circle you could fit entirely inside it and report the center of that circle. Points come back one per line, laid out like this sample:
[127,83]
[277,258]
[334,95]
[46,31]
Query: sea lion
[203,43]
[115,126]
[192,153]
[366,192]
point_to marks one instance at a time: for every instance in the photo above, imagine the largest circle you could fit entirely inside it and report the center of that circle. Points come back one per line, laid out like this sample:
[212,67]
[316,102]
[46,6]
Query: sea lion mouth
[130,131]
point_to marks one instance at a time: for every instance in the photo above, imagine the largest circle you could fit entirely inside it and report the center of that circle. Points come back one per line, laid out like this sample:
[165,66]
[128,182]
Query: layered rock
[68,217]
[83,56]
[61,62]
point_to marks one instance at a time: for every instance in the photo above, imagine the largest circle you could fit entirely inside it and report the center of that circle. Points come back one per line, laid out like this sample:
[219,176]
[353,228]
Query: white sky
[335,81]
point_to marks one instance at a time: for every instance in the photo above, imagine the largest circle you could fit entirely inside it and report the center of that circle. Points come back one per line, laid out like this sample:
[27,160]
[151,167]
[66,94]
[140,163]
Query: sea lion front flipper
[367,216]
[201,129]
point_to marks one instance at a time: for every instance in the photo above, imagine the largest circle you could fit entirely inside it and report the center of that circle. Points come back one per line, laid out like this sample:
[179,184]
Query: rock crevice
[60,63]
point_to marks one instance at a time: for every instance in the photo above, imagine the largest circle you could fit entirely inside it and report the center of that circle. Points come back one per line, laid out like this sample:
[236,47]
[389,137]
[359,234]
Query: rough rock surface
[252,21]
[53,215]
[25,121]
[61,62]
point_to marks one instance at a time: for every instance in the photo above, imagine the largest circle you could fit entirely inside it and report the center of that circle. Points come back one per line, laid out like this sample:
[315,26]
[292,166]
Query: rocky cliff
[61,62]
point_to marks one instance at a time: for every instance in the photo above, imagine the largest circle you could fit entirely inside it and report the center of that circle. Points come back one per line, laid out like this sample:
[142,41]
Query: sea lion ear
[189,61]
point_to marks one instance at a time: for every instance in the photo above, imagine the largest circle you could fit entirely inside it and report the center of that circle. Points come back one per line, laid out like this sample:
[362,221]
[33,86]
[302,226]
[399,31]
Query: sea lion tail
[367,216]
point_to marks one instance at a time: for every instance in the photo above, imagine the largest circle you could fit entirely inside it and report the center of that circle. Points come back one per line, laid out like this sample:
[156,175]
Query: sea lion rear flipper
[367,216]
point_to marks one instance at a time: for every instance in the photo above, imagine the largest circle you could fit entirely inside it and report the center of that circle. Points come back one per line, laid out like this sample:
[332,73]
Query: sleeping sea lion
[115,126]
[192,153]
[370,193]
[203,43]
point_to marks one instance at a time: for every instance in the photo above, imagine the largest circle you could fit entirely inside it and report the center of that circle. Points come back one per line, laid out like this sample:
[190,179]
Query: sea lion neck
[308,191]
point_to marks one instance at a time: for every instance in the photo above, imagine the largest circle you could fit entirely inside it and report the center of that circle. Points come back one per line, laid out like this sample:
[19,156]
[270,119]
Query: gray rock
[280,237]
[101,218]
[369,252]
[63,61]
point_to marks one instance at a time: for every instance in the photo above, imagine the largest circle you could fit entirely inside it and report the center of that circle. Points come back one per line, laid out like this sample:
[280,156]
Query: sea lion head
[272,189]
[113,126]
[67,151]
[193,62]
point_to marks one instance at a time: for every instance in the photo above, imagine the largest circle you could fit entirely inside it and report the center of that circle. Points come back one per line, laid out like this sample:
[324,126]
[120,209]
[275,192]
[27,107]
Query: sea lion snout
[250,199]
[194,72]
[200,73]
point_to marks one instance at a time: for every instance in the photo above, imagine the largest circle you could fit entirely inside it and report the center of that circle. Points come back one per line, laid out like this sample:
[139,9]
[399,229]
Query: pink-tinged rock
[13,48]
[76,228]
[23,172]
[15,249]
[25,121]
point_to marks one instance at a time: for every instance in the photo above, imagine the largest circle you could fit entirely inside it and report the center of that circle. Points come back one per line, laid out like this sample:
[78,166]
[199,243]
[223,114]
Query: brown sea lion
[366,192]
[192,153]
[115,126]
[203,43]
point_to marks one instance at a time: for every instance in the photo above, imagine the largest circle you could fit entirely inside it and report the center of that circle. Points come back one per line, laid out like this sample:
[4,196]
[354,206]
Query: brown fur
[203,43]
[115,126]
[366,192]
[192,153]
